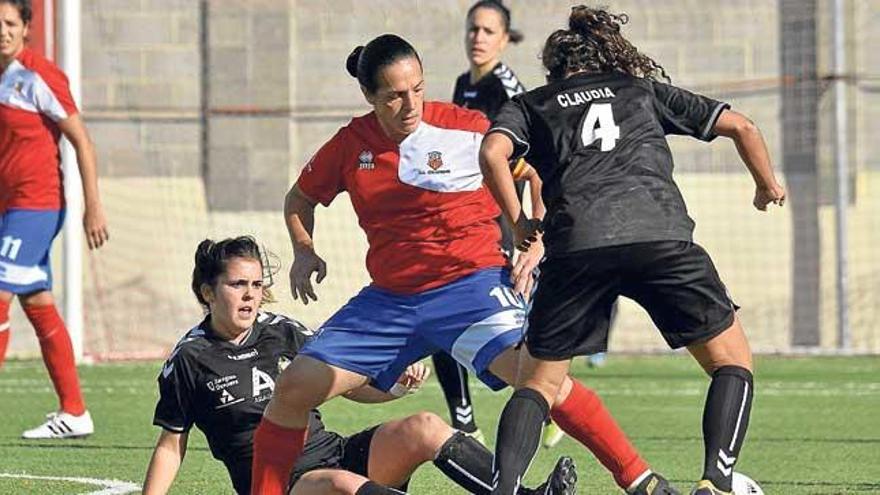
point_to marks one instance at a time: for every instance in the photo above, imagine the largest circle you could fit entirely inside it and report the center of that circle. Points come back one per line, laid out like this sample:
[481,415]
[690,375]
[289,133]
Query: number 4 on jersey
[606,131]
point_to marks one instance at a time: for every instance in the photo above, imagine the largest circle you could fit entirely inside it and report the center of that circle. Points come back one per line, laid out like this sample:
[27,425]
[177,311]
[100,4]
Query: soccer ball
[743,485]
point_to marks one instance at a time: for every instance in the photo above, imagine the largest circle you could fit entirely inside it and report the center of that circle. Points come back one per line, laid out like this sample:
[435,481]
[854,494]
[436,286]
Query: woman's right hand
[305,263]
[526,231]
[765,195]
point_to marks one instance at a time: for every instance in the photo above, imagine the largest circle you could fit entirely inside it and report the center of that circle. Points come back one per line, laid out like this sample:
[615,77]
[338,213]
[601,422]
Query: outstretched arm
[409,382]
[165,462]
[753,152]
[299,215]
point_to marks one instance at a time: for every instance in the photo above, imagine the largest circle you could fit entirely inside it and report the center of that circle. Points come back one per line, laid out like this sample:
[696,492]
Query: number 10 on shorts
[506,297]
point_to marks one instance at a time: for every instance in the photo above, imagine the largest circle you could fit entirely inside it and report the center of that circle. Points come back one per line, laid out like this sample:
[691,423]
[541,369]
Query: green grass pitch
[815,426]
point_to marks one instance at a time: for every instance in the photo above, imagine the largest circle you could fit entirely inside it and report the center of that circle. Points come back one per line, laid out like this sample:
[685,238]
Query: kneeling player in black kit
[222,373]
[616,225]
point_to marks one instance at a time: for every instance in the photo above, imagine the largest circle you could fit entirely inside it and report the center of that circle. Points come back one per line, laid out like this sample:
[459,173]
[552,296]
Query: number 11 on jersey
[606,131]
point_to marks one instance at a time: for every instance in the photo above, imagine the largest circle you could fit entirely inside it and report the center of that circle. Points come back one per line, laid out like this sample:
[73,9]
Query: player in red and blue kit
[36,108]
[411,171]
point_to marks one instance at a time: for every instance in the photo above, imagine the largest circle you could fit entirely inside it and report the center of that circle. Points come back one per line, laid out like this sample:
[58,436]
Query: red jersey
[428,218]
[34,97]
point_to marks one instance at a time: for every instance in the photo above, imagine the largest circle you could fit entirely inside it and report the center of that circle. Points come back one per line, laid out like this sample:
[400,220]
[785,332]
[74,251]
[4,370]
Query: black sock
[725,421]
[453,379]
[519,432]
[373,488]
[466,462]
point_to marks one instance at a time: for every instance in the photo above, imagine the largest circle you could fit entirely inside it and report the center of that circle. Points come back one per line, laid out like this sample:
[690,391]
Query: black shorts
[675,281]
[353,454]
[335,452]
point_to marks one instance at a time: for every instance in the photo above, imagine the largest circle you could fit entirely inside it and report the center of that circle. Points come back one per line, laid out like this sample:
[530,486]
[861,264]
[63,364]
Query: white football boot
[62,425]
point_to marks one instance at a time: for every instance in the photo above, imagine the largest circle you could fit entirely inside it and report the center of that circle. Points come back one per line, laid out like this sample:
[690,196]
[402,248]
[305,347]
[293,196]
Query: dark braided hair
[593,43]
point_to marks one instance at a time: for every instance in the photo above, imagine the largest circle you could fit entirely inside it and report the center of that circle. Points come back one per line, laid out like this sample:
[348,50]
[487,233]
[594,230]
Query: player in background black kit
[222,373]
[486,86]
[616,224]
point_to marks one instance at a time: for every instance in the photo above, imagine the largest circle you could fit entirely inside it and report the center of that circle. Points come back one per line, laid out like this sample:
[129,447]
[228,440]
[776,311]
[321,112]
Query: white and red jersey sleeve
[52,91]
[322,177]
[34,97]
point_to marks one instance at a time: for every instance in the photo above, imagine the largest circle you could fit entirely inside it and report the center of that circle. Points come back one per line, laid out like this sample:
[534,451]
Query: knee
[324,482]
[293,393]
[564,391]
[425,433]
[39,298]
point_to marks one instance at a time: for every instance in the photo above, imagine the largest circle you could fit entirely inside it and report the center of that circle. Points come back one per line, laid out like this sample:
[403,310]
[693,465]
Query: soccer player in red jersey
[440,281]
[617,225]
[36,108]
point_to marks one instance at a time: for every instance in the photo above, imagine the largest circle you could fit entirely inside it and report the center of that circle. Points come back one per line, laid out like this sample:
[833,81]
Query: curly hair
[593,43]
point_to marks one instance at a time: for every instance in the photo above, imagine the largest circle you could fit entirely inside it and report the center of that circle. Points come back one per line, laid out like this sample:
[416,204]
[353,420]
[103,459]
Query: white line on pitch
[108,487]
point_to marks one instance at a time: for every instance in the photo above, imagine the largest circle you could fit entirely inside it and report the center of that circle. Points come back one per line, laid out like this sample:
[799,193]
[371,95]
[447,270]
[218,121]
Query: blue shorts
[378,334]
[25,241]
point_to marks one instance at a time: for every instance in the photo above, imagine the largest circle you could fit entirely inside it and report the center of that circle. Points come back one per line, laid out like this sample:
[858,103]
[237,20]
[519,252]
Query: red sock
[4,330]
[584,417]
[276,450]
[57,353]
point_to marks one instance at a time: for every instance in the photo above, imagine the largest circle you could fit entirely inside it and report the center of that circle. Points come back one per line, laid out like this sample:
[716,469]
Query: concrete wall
[184,156]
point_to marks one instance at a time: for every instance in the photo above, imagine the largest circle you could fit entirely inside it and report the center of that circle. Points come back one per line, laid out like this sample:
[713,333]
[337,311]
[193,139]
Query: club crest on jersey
[365,160]
[435,159]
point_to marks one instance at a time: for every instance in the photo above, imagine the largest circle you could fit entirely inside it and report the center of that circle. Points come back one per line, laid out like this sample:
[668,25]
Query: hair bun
[351,63]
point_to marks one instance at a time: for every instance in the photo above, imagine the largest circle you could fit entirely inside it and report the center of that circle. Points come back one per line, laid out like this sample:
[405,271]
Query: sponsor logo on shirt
[241,357]
[365,160]
[221,383]
[226,397]
[470,94]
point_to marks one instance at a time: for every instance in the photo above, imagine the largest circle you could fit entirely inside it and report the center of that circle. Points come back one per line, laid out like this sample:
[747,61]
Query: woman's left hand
[415,375]
[522,276]
[95,226]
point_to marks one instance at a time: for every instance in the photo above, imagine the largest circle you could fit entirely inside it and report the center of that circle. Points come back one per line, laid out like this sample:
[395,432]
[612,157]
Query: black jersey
[490,93]
[598,142]
[223,388]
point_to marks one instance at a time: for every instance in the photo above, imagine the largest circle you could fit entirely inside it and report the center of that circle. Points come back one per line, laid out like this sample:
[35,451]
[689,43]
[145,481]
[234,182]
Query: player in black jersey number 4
[616,224]
[222,373]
